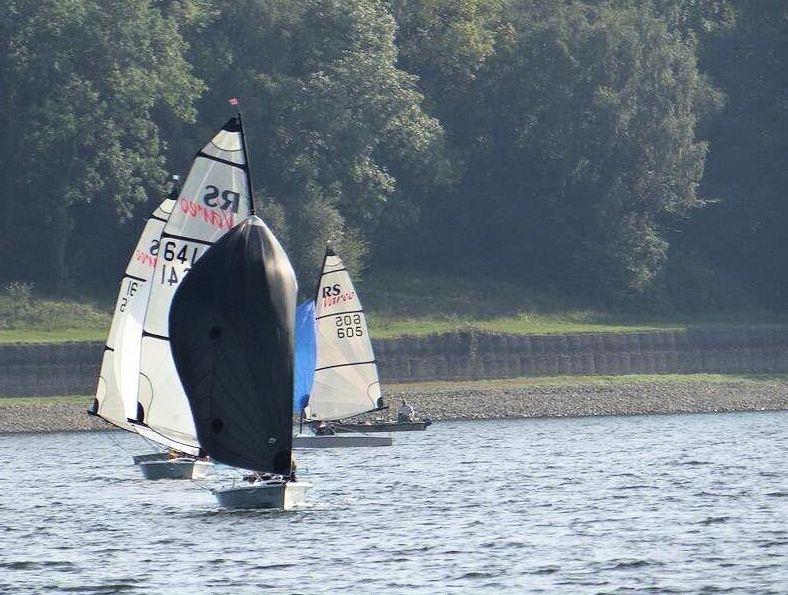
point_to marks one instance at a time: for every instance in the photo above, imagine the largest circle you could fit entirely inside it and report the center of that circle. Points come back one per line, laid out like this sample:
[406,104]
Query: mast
[328,252]
[248,166]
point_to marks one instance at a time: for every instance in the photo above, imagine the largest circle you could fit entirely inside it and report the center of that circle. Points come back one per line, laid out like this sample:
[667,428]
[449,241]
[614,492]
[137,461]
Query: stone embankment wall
[71,368]
[46,369]
[463,356]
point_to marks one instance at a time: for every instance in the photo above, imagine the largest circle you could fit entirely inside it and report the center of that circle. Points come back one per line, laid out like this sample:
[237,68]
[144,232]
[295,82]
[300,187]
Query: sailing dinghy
[214,198]
[232,332]
[345,381]
[116,392]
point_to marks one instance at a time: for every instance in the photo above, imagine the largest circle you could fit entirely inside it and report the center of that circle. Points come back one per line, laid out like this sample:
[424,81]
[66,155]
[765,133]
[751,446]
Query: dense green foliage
[629,154]
[81,85]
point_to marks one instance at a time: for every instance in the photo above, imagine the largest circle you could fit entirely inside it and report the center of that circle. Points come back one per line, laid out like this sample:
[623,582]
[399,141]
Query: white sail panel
[346,375]
[149,434]
[116,394]
[214,199]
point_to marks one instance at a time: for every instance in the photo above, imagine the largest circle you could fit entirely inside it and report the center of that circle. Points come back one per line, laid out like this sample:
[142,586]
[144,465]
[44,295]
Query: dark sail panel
[232,336]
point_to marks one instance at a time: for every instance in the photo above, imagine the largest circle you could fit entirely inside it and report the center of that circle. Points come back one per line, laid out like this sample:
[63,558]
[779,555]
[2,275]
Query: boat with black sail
[232,331]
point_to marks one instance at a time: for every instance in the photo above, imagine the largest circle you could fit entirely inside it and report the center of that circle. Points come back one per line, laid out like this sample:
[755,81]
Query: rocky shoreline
[513,398]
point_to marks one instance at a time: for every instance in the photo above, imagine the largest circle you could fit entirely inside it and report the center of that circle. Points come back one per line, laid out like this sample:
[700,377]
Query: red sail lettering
[210,216]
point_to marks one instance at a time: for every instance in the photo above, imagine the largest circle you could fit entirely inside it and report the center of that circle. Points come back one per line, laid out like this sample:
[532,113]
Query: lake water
[683,503]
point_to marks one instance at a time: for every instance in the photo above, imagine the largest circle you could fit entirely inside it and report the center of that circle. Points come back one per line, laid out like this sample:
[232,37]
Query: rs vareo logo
[224,199]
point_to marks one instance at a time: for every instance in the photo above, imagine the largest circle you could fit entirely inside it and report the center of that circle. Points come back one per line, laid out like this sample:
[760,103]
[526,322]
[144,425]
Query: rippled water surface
[614,504]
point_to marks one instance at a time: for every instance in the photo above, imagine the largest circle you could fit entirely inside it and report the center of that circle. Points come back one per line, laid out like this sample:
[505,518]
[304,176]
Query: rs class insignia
[331,290]
[224,199]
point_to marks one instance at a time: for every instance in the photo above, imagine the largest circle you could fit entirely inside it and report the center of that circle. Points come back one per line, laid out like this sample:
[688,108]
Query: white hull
[154,456]
[276,494]
[340,441]
[183,468]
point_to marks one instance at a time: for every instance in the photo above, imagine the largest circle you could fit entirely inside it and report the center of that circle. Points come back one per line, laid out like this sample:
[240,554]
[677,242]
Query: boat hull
[411,426]
[153,456]
[266,494]
[340,441]
[182,468]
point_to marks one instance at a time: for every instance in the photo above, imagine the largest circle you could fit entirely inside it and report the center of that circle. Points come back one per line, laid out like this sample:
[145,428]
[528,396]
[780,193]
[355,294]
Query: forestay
[346,375]
[215,196]
[232,336]
[116,393]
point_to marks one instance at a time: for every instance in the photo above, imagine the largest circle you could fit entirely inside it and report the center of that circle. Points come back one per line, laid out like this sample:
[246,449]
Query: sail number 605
[348,326]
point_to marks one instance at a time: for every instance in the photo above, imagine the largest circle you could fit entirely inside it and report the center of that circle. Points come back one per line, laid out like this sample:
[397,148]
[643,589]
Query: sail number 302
[348,326]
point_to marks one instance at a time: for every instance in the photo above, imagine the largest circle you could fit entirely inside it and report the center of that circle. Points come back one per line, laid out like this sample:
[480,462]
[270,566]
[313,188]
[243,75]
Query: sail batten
[346,375]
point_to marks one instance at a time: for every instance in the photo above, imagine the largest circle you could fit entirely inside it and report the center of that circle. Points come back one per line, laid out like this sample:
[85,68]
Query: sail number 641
[348,326]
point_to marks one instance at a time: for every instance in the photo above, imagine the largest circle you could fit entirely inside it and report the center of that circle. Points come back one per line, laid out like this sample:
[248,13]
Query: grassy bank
[25,318]
[397,305]
[418,306]
[62,400]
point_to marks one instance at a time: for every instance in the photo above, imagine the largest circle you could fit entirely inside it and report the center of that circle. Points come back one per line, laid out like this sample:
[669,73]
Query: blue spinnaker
[305,355]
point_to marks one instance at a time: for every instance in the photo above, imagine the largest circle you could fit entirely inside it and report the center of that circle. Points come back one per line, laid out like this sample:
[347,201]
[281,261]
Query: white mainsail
[346,375]
[215,196]
[116,393]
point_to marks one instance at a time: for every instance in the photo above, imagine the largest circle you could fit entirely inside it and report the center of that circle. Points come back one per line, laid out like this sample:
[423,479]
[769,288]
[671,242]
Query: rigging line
[202,485]
[153,443]
[114,439]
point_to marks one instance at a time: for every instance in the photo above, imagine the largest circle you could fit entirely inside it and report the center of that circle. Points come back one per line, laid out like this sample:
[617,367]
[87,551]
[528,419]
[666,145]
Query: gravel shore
[513,398]
[635,398]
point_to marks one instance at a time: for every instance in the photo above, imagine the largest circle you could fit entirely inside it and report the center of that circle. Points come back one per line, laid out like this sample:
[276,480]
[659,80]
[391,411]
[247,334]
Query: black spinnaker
[232,336]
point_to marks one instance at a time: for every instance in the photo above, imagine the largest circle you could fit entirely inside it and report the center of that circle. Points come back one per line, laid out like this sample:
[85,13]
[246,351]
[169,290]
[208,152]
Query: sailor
[405,412]
[293,467]
[256,476]
[324,429]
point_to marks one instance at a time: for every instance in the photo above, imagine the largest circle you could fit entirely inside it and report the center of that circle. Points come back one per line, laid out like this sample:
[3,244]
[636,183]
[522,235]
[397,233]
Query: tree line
[632,153]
